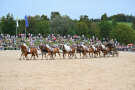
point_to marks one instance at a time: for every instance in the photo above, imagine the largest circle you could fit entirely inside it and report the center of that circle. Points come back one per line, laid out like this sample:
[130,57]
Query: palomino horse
[85,50]
[112,49]
[25,51]
[73,51]
[79,49]
[46,49]
[96,50]
[65,49]
[51,51]
[56,50]
[104,49]
[43,50]
[82,49]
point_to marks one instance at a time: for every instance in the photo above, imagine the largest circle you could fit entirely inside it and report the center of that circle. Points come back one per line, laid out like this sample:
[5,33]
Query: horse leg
[104,53]
[63,55]
[21,56]
[31,56]
[42,56]
[52,55]
[89,54]
[59,55]
[75,55]
[80,55]
[36,55]
[26,56]
[99,54]
[45,55]
[69,55]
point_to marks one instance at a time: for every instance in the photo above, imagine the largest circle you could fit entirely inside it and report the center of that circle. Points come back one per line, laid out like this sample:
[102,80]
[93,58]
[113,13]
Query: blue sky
[72,8]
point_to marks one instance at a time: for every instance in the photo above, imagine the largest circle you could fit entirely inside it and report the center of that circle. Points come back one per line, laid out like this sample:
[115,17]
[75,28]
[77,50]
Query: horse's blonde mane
[24,44]
[103,46]
[48,46]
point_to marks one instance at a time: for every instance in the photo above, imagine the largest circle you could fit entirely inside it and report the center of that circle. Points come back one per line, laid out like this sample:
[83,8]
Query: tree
[60,25]
[84,18]
[114,22]
[95,31]
[54,14]
[42,27]
[44,17]
[0,28]
[105,27]
[123,34]
[8,24]
[104,17]
[82,29]
[133,25]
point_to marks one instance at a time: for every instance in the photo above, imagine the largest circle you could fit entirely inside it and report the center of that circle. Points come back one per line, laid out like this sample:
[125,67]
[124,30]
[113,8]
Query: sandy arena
[110,73]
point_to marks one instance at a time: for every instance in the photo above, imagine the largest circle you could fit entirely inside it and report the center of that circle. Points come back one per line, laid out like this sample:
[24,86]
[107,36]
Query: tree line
[64,25]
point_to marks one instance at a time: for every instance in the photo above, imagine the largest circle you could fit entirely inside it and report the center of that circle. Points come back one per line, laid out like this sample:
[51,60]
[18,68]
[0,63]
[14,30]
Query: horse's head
[23,48]
[41,47]
[47,48]
[61,46]
[110,46]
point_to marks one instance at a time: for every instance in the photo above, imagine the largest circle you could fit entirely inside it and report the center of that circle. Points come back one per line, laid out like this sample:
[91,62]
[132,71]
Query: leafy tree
[82,29]
[95,30]
[21,28]
[114,22]
[0,28]
[104,17]
[123,34]
[44,17]
[43,27]
[8,25]
[105,27]
[60,25]
[133,25]
[32,28]
[84,18]
[73,29]
[54,14]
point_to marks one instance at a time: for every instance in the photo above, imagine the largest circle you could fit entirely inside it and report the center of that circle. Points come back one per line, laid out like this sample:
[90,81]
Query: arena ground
[110,73]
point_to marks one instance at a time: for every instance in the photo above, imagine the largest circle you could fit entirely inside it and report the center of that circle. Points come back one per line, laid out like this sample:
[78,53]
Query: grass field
[126,23]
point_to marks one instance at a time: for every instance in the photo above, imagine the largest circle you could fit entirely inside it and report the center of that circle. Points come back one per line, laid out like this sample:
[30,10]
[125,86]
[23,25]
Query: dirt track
[113,73]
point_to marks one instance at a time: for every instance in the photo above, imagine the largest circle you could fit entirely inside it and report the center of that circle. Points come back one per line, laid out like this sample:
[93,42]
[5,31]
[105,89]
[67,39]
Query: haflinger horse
[112,49]
[85,50]
[44,51]
[66,50]
[82,49]
[105,50]
[96,50]
[26,50]
[73,51]
[51,51]
[56,50]
[79,50]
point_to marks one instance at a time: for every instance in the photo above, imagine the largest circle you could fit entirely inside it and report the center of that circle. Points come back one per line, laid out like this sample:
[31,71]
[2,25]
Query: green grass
[126,23]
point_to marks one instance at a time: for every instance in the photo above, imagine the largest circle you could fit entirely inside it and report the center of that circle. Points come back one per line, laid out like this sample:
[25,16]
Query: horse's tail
[36,52]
